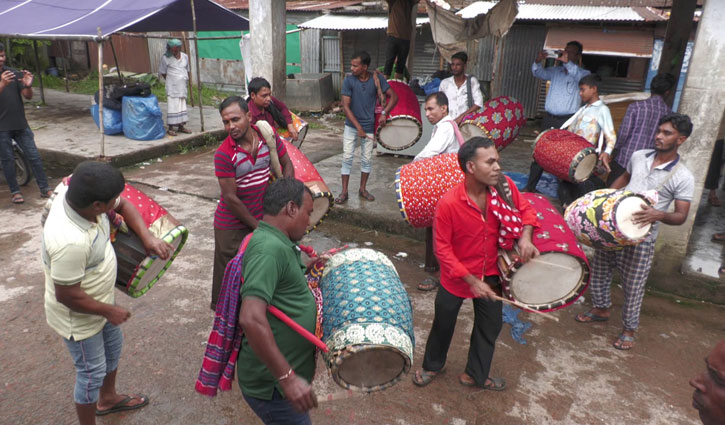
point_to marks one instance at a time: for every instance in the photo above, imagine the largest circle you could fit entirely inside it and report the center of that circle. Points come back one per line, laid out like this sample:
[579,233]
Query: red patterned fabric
[500,118]
[511,226]
[304,170]
[555,150]
[149,209]
[553,234]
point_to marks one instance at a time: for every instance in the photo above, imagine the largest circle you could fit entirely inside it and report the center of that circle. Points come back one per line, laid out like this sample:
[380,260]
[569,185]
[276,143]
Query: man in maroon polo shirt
[241,164]
[474,219]
[263,106]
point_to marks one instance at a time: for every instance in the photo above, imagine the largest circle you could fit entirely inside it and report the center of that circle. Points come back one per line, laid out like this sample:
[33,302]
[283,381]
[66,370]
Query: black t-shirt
[12,110]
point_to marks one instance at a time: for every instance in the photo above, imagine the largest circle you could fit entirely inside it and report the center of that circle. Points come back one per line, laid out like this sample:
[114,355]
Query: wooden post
[411,50]
[99,41]
[65,67]
[39,72]
[676,37]
[198,73]
[191,87]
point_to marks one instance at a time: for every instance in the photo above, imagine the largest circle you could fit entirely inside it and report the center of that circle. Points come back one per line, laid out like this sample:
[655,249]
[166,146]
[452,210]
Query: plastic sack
[112,121]
[142,118]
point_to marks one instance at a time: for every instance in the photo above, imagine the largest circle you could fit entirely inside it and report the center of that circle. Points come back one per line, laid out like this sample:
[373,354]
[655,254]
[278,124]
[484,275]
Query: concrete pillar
[678,32]
[703,100]
[267,25]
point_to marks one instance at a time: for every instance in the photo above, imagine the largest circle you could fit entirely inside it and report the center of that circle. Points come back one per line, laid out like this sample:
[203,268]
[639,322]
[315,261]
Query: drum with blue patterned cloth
[368,324]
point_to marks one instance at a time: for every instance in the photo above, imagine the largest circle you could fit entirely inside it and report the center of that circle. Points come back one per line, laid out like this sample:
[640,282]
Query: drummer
[264,106]
[463,90]
[659,169]
[467,247]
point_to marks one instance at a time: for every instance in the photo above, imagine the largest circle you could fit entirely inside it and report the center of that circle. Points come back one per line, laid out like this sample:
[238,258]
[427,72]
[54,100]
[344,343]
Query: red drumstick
[297,328]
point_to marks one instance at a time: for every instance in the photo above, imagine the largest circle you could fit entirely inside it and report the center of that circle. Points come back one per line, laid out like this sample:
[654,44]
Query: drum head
[549,281]
[470,130]
[321,204]
[399,133]
[371,367]
[624,214]
[301,133]
[585,167]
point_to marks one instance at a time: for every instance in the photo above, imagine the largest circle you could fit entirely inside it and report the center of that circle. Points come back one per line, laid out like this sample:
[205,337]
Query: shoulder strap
[271,141]
[669,176]
[504,190]
[277,115]
[469,93]
[457,131]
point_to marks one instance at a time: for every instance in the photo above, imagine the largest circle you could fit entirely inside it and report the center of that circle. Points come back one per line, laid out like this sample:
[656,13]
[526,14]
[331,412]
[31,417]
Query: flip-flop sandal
[18,198]
[497,384]
[621,339]
[366,195]
[123,406]
[429,284]
[592,317]
[184,130]
[172,132]
[718,237]
[342,198]
[426,377]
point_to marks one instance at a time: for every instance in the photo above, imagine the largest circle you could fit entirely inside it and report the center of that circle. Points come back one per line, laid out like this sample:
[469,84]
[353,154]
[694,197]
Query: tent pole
[65,68]
[38,72]
[115,60]
[198,74]
[100,91]
[191,86]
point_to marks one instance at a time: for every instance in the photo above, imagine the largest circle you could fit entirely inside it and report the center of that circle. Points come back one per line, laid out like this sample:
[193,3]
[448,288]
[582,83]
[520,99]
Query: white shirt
[458,96]
[177,74]
[442,140]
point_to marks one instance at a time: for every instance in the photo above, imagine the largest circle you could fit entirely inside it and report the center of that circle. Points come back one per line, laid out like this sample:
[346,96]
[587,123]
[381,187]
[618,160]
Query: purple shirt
[639,126]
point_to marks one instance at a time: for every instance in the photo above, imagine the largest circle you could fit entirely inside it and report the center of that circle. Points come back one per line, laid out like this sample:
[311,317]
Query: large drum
[322,198]
[421,184]
[603,218]
[566,155]
[403,126]
[368,324]
[558,276]
[300,125]
[499,119]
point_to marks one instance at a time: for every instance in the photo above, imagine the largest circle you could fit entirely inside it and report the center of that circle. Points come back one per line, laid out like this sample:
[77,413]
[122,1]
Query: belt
[560,116]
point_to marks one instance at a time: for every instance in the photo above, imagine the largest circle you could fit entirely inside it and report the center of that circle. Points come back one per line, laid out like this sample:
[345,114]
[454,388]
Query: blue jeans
[350,140]
[25,139]
[277,411]
[94,357]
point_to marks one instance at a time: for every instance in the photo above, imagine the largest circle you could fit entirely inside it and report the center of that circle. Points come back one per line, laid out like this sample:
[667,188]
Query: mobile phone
[552,54]
[19,75]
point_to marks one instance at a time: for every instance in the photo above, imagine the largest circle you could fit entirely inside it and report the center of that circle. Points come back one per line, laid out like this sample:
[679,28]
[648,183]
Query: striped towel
[225,339]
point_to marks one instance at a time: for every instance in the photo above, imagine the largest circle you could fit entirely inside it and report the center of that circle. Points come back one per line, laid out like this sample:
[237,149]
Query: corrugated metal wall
[483,67]
[426,59]
[331,59]
[310,50]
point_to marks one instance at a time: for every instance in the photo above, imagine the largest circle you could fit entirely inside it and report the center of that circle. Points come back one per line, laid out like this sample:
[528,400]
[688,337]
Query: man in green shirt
[276,364]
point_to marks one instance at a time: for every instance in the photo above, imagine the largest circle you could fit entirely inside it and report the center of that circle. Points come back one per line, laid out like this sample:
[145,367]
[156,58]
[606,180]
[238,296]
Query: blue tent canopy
[80,19]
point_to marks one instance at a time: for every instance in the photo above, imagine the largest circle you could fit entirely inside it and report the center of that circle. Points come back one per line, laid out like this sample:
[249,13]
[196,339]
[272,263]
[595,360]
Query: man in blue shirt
[562,100]
[359,94]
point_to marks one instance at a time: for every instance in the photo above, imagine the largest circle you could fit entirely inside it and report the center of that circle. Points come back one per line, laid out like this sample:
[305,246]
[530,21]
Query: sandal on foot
[47,194]
[718,237]
[184,130]
[18,198]
[366,195]
[495,384]
[621,340]
[123,405]
[342,198]
[172,132]
[714,201]
[590,317]
[429,284]
[424,377]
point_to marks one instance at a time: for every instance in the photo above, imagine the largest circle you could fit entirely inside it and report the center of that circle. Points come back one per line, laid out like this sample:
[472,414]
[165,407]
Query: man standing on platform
[463,91]
[660,169]
[242,166]
[360,92]
[401,20]
[265,107]
[174,67]
[467,248]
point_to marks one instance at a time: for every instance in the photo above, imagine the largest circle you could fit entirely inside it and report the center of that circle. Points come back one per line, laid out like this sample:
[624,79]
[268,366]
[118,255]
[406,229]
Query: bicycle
[23,171]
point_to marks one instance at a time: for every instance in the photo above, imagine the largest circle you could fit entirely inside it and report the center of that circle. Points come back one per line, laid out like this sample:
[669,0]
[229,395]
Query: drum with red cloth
[557,277]
[421,184]
[300,125]
[566,155]
[322,198]
[499,119]
[403,126]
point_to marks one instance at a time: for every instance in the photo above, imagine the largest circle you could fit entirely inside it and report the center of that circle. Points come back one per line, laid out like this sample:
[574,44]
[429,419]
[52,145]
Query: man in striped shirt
[241,164]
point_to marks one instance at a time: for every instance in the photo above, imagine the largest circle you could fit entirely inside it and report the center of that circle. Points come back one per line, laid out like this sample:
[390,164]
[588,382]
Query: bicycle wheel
[22,168]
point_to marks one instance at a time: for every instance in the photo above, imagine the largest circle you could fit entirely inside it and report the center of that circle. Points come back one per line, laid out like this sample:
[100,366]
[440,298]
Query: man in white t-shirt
[456,87]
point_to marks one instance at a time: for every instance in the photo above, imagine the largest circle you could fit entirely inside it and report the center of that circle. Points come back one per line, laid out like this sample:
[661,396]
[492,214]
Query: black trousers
[569,192]
[396,48]
[535,171]
[487,323]
[712,181]
[617,170]
[431,262]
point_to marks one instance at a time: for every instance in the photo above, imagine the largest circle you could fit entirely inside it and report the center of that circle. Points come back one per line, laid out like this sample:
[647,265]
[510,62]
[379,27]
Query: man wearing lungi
[660,169]
[709,395]
[80,275]
[264,106]
[241,164]
[276,364]
[174,67]
[463,90]
[472,221]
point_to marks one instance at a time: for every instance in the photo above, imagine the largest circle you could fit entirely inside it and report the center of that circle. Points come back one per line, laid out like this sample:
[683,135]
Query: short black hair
[2,47]
[363,56]
[591,80]
[681,122]
[576,44]
[229,101]
[94,181]
[282,191]
[460,55]
[468,151]
[662,83]
[439,96]
[256,84]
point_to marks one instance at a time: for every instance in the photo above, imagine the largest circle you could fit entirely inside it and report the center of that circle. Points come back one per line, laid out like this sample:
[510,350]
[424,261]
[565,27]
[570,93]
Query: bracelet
[290,373]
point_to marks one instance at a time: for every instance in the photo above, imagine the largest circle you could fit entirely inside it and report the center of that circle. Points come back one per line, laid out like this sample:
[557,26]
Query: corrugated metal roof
[622,3]
[297,6]
[348,22]
[544,12]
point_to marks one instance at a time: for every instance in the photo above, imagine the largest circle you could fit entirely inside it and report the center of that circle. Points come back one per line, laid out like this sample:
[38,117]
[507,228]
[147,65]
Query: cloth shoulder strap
[669,176]
[469,93]
[504,190]
[457,131]
[270,140]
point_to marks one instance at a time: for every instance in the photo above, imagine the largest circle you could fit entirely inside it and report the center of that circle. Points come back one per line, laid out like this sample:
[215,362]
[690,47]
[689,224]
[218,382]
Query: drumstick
[523,307]
[537,260]
[297,328]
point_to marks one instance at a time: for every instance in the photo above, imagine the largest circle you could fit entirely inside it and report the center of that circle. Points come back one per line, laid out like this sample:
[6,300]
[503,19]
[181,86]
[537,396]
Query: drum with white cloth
[402,127]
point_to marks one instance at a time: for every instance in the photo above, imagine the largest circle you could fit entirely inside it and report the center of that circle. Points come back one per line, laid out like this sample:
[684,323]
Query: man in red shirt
[472,221]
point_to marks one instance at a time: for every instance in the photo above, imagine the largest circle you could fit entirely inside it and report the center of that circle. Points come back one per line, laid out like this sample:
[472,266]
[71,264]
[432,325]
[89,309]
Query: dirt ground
[566,373]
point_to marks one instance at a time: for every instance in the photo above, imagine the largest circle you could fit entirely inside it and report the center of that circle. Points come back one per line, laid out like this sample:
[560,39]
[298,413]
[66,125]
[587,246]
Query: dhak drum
[565,155]
[300,125]
[322,198]
[557,277]
[499,119]
[602,218]
[421,184]
[403,126]
[368,323]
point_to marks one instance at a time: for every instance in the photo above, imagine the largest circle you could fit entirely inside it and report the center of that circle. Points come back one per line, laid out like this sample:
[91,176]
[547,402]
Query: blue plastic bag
[112,121]
[432,86]
[142,118]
